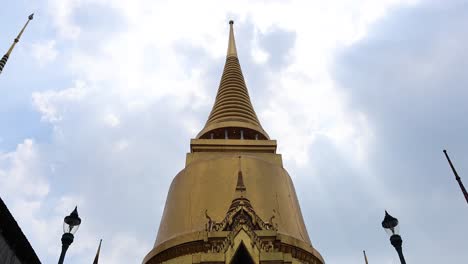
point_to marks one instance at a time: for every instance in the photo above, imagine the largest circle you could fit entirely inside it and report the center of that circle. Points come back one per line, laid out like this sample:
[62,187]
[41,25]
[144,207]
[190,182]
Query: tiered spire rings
[232,116]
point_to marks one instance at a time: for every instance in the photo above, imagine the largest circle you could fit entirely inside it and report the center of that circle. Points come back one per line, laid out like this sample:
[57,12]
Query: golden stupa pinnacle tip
[232,109]
[232,51]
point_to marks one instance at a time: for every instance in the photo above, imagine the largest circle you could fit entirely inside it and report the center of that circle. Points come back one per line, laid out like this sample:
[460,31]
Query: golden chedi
[233,202]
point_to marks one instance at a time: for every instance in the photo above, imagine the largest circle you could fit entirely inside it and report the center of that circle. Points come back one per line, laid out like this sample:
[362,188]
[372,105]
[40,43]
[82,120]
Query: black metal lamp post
[390,224]
[70,226]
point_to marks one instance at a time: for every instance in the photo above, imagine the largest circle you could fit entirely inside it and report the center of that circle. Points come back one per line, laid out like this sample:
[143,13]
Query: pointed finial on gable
[240,187]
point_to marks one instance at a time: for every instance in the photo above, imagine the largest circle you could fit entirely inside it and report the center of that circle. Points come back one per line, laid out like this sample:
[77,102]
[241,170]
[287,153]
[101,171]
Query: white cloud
[44,52]
[123,248]
[121,145]
[259,55]
[26,190]
[62,12]
[52,104]
[112,120]
[139,63]
[17,175]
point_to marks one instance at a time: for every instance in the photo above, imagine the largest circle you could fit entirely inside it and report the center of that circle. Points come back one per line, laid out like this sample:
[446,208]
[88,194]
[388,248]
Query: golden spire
[232,116]
[5,57]
[232,51]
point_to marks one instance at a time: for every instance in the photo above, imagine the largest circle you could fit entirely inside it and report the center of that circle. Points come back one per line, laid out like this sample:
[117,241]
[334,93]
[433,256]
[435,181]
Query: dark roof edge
[15,238]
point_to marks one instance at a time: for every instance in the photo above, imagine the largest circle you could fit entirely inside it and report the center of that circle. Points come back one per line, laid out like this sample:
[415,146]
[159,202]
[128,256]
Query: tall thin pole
[5,57]
[397,242]
[62,254]
[460,183]
[67,239]
[96,259]
[365,256]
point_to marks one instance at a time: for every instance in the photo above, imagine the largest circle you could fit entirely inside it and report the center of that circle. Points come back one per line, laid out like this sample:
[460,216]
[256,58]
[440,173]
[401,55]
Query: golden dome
[206,188]
[209,184]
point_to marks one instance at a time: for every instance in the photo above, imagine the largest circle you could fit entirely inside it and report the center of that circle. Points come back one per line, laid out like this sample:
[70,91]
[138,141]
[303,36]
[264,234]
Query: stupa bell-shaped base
[209,212]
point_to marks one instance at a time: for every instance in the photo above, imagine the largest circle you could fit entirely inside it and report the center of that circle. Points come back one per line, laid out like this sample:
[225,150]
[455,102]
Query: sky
[100,99]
